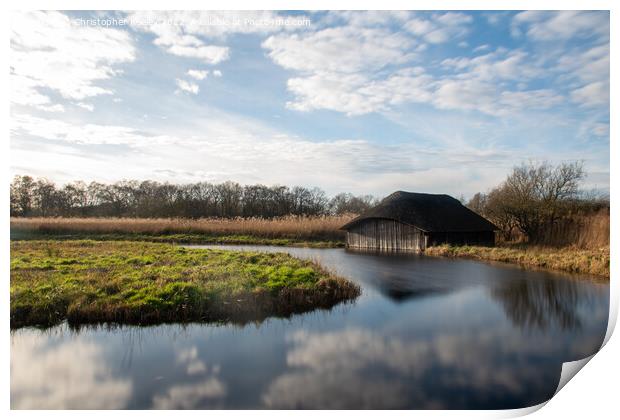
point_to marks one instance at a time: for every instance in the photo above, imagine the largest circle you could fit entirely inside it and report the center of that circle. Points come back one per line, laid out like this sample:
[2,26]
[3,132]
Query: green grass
[176,238]
[86,281]
[570,259]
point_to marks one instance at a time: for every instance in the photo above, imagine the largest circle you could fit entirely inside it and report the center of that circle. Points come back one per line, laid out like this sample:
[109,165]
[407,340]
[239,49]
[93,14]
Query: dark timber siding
[390,235]
[384,235]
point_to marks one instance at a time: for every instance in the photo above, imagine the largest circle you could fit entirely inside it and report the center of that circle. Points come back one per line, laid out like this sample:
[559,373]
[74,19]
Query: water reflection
[543,301]
[426,333]
[46,375]
[207,392]
[350,369]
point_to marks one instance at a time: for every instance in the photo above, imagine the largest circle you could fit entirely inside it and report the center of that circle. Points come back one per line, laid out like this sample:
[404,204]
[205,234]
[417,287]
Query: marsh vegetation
[571,259]
[288,230]
[141,283]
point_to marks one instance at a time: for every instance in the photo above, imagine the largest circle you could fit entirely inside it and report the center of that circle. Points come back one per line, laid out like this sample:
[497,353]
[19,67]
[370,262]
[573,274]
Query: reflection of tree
[540,302]
[401,289]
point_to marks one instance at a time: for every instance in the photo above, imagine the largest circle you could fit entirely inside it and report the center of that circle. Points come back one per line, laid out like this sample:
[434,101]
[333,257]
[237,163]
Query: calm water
[426,333]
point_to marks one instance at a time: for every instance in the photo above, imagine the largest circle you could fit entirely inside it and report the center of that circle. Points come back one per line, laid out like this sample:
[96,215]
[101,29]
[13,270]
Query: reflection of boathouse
[406,221]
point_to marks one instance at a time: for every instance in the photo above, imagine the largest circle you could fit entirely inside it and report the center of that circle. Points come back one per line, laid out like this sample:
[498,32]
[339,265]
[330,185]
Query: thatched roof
[428,212]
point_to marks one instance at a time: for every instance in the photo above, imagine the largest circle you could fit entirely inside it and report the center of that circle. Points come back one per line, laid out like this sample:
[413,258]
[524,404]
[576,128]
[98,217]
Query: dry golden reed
[293,227]
[571,259]
[583,231]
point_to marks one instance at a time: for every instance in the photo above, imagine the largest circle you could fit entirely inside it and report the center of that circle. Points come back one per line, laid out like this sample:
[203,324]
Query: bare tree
[22,195]
[532,198]
[349,203]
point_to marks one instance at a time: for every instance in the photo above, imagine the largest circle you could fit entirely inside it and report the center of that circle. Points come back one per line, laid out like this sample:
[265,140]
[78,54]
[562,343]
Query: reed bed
[291,227]
[571,259]
[590,231]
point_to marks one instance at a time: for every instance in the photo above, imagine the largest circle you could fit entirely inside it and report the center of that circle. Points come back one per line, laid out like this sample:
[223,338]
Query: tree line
[535,198]
[32,197]
[532,201]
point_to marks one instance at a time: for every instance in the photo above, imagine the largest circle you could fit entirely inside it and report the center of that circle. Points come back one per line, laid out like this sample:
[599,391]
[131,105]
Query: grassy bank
[571,259]
[141,282]
[293,228]
[175,238]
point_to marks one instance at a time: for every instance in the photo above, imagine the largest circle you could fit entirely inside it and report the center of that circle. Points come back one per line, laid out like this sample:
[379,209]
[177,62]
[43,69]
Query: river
[426,333]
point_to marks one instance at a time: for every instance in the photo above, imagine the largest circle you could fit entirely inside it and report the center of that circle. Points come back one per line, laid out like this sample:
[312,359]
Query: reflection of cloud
[190,358]
[189,396]
[361,369]
[334,390]
[71,375]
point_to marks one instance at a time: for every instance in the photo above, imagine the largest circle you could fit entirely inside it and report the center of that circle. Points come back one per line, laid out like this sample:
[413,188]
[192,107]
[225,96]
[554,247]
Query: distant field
[579,243]
[141,282]
[290,229]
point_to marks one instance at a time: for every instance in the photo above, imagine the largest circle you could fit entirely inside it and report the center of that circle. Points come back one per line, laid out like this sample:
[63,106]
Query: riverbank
[569,259]
[175,238]
[142,283]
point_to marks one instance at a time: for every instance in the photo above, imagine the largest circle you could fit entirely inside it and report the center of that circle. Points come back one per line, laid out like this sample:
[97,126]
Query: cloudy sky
[365,102]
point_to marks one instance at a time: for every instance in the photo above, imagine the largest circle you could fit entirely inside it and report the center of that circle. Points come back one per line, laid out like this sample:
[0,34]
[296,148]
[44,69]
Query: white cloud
[439,28]
[173,33]
[561,25]
[209,24]
[593,94]
[58,130]
[363,18]
[48,52]
[86,106]
[217,73]
[210,54]
[51,108]
[198,74]
[475,86]
[355,94]
[340,50]
[495,66]
[192,33]
[337,66]
[362,68]
[186,86]
[588,69]
[221,148]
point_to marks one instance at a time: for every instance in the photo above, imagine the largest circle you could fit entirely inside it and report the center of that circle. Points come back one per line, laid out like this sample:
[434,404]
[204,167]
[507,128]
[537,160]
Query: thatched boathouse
[411,222]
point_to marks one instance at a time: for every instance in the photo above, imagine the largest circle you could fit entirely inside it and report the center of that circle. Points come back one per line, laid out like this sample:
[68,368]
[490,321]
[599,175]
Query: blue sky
[365,102]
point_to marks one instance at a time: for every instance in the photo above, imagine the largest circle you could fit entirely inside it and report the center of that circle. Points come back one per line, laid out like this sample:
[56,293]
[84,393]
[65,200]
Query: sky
[361,102]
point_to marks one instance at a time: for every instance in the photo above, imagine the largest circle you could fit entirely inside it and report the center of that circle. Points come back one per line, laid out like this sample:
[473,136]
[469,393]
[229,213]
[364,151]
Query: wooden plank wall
[385,235]
[389,235]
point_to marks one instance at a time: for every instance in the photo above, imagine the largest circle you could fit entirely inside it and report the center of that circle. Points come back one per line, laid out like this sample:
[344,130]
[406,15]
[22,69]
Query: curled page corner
[521,412]
[569,370]
[611,323]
